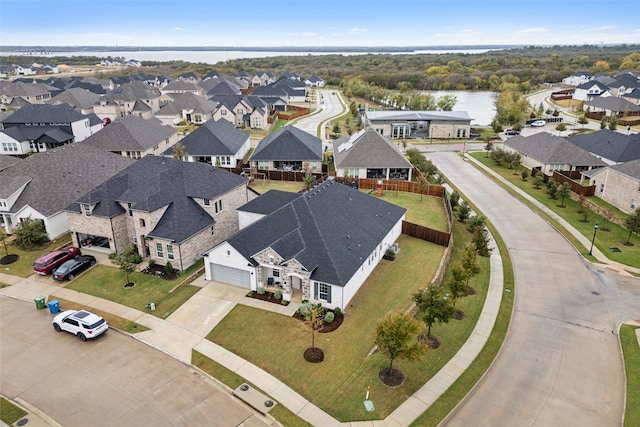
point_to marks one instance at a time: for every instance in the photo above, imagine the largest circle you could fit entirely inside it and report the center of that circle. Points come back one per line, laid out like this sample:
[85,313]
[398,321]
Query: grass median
[608,235]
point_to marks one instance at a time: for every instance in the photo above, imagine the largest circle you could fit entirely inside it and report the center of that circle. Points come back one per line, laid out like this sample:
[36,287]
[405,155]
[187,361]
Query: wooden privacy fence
[425,233]
[393,185]
[568,177]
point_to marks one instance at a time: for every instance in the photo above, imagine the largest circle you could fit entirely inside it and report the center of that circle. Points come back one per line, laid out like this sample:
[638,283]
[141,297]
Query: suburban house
[262,78]
[314,81]
[578,78]
[172,210]
[80,99]
[134,137]
[133,98]
[42,185]
[42,127]
[217,143]
[590,90]
[367,154]
[609,146]
[181,86]
[618,184]
[548,153]
[288,149]
[243,111]
[24,70]
[320,246]
[189,77]
[613,107]
[186,107]
[420,124]
[14,95]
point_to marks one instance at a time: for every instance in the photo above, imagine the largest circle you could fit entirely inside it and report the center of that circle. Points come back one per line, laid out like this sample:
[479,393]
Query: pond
[480,105]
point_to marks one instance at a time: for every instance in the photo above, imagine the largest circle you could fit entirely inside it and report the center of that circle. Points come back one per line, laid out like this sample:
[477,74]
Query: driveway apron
[560,363]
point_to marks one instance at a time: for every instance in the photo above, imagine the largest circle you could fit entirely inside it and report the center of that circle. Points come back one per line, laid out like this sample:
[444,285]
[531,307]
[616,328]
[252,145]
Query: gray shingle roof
[418,115]
[610,145]
[288,144]
[58,177]
[44,113]
[552,150]
[154,182]
[630,169]
[131,133]
[613,103]
[6,161]
[213,138]
[187,101]
[269,202]
[129,92]
[331,230]
[368,149]
[76,97]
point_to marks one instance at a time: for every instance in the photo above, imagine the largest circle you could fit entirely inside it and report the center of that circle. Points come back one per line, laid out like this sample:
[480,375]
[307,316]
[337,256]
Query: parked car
[70,269]
[47,263]
[538,123]
[512,132]
[83,324]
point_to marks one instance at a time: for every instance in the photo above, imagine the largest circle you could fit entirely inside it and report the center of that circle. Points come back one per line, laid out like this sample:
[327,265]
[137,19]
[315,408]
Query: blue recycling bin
[54,306]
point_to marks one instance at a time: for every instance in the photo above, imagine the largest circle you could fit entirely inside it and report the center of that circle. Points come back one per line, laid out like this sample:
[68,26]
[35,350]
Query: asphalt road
[560,363]
[111,381]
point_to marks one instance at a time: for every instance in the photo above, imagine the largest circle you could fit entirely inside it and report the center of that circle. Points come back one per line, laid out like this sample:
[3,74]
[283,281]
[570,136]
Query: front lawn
[631,351]
[108,283]
[10,413]
[628,255]
[337,385]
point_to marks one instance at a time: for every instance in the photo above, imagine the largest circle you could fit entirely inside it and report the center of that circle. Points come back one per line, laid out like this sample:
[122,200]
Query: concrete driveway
[561,363]
[111,381]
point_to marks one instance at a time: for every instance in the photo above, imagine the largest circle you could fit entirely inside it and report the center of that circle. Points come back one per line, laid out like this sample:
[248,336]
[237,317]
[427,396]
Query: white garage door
[234,276]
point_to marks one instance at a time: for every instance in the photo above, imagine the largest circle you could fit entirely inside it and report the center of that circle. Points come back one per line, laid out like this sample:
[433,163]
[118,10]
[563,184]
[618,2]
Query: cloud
[604,28]
[355,31]
[534,30]
[440,35]
[637,30]
[178,29]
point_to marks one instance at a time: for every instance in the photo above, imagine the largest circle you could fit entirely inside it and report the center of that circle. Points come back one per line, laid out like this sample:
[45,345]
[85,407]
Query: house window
[461,133]
[228,253]
[129,209]
[218,206]
[263,164]
[159,252]
[276,273]
[142,223]
[633,204]
[223,161]
[223,112]
[169,251]
[602,188]
[86,209]
[240,111]
[135,237]
[255,122]
[322,291]
[207,202]
[213,231]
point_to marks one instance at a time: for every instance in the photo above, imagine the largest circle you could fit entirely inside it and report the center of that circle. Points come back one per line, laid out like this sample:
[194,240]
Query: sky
[317,23]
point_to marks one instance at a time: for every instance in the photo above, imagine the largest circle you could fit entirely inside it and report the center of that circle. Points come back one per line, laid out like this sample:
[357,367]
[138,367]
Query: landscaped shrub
[168,268]
[261,290]
[250,293]
[277,294]
[328,318]
[152,264]
[337,311]
[284,302]
[30,233]
[305,308]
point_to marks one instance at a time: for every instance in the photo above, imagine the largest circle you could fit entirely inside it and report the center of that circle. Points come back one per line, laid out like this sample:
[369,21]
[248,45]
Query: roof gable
[367,148]
[214,138]
[289,143]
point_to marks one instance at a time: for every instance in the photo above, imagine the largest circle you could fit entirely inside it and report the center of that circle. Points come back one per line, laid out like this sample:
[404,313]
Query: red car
[47,264]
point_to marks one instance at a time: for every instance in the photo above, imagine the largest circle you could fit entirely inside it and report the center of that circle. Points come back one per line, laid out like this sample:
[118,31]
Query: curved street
[560,363]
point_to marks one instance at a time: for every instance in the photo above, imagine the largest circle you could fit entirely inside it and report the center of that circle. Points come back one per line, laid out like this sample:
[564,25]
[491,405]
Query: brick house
[172,210]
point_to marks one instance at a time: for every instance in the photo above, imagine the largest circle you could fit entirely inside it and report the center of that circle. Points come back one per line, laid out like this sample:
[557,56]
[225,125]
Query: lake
[480,105]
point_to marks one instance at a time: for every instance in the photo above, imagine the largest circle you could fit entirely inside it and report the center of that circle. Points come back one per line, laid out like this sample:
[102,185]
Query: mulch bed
[9,259]
[393,378]
[471,290]
[458,314]
[268,297]
[159,271]
[432,341]
[326,327]
[314,355]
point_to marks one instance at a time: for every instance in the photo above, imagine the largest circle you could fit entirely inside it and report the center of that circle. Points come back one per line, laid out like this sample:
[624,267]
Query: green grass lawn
[428,212]
[10,413]
[262,186]
[24,266]
[338,384]
[107,282]
[631,352]
[629,255]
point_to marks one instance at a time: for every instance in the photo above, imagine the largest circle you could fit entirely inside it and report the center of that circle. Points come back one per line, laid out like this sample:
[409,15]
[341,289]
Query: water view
[480,105]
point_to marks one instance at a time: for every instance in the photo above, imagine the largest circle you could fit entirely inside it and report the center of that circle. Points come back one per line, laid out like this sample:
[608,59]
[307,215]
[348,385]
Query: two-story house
[133,98]
[172,210]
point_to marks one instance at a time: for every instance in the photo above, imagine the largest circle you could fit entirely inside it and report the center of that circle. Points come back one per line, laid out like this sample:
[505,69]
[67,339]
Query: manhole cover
[268,403]
[244,387]
[614,249]
[22,422]
[595,293]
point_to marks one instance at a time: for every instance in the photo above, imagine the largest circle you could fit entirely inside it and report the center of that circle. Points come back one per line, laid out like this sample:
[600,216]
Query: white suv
[81,323]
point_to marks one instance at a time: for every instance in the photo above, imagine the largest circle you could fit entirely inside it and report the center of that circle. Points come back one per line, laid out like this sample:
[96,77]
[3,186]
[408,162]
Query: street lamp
[595,230]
